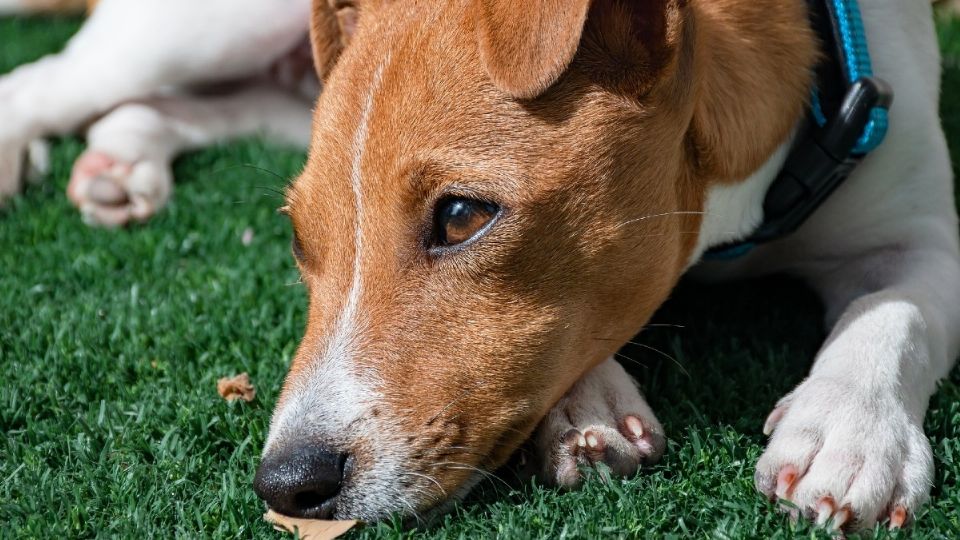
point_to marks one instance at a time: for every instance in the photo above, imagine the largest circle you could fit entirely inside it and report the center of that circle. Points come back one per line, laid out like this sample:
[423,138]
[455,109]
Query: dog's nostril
[302,482]
[308,499]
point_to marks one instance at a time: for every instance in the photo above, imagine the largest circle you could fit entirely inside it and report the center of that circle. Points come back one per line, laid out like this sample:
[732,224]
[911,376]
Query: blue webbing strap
[856,64]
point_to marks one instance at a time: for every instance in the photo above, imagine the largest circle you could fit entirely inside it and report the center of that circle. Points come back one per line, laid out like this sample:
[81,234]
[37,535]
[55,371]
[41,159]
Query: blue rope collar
[848,120]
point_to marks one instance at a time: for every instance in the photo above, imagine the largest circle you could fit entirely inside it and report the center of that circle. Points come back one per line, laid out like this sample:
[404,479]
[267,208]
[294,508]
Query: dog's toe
[590,447]
[603,419]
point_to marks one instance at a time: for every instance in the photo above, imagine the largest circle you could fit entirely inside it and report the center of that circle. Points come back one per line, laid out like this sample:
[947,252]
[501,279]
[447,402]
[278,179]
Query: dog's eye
[296,247]
[457,220]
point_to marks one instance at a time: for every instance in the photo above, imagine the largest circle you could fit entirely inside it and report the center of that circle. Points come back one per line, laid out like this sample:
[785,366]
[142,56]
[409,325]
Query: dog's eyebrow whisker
[462,395]
[664,214]
[270,189]
[261,169]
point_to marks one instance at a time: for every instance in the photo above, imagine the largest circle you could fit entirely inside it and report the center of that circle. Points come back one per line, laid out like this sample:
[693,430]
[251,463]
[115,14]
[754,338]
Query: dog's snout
[303,482]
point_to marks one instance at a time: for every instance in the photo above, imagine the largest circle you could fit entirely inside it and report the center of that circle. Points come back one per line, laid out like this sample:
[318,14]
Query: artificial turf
[111,342]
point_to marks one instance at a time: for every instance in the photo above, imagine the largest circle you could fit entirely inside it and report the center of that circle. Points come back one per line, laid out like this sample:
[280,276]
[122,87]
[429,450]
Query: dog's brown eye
[459,219]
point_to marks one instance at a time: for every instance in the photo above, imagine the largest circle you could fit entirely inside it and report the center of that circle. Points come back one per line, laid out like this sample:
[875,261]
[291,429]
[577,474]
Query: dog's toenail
[634,426]
[592,441]
[785,480]
[898,517]
[841,518]
[772,420]
[825,510]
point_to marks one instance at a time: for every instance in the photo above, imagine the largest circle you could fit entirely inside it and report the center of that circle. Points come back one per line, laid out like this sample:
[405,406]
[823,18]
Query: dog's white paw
[110,192]
[845,456]
[602,419]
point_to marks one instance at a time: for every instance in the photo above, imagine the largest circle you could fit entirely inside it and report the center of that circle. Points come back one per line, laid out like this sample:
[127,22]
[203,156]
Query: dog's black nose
[302,482]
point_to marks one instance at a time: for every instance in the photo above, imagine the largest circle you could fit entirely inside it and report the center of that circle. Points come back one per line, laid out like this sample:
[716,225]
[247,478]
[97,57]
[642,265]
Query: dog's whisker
[462,395]
[428,478]
[403,500]
[445,453]
[661,353]
[262,169]
[630,359]
[664,214]
[456,465]
[272,190]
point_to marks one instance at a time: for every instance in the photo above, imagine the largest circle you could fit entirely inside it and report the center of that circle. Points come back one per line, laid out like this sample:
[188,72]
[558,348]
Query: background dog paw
[603,419]
[112,193]
[845,457]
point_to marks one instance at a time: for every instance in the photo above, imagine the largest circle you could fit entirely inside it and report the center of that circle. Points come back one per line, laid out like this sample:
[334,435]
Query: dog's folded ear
[332,25]
[525,46]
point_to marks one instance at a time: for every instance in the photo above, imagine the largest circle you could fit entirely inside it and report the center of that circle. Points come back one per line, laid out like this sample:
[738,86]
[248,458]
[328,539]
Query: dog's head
[498,195]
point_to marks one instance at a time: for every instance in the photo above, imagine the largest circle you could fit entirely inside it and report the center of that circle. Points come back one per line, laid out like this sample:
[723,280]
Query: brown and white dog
[499,194]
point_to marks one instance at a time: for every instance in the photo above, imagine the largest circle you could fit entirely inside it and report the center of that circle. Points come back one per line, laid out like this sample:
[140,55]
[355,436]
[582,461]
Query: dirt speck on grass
[236,387]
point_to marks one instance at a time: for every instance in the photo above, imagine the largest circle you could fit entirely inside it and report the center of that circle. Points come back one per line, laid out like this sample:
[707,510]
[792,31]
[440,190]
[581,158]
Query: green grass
[111,343]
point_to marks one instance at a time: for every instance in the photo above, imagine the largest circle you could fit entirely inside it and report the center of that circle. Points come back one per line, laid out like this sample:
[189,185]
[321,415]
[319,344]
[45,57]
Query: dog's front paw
[110,192]
[602,419]
[845,456]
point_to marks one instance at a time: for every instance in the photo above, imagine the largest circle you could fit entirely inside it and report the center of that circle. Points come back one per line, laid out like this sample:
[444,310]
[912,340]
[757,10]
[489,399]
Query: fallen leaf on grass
[237,387]
[309,529]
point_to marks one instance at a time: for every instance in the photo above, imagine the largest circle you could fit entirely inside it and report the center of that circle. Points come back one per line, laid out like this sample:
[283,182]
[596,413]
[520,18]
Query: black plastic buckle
[819,162]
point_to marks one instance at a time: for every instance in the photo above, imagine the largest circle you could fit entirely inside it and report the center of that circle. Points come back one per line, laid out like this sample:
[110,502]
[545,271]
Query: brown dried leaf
[237,387]
[309,529]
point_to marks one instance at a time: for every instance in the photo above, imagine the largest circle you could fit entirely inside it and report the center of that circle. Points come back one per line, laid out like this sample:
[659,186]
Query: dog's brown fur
[599,143]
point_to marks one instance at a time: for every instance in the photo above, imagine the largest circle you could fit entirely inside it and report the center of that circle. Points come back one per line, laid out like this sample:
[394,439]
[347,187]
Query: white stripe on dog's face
[334,395]
[345,333]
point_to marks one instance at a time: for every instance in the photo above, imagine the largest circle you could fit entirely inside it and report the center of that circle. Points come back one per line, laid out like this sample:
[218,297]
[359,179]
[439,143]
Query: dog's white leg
[132,49]
[603,418]
[848,443]
[125,173]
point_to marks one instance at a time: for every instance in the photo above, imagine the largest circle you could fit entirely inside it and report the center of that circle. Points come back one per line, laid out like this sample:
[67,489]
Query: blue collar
[847,120]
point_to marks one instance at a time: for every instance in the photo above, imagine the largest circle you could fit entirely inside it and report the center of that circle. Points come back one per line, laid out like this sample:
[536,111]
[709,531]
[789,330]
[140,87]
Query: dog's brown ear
[332,25]
[525,45]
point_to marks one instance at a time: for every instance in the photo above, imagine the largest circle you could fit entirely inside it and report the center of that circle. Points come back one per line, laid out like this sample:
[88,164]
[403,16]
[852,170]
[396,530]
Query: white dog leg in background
[603,418]
[125,173]
[848,443]
[131,49]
